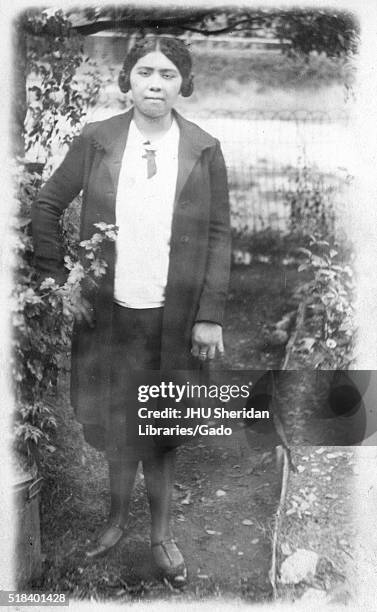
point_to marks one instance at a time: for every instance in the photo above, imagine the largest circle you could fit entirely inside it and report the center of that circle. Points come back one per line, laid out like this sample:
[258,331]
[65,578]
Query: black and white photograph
[189,333]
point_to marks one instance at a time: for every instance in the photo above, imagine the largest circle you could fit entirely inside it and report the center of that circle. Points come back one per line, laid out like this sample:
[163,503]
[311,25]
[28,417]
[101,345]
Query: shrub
[328,295]
[58,102]
[43,316]
[311,204]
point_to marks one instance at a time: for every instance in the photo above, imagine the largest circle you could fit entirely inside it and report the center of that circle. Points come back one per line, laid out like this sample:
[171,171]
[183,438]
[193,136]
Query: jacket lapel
[111,136]
[192,141]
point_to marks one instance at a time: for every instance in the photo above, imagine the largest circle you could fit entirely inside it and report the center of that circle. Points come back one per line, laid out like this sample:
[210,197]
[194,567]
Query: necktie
[150,156]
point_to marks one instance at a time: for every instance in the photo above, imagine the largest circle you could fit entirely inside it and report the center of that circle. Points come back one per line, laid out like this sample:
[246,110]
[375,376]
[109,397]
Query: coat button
[184,239]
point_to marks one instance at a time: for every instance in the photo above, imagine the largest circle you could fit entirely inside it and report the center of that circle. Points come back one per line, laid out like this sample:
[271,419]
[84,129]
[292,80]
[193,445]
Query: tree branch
[224,30]
[126,23]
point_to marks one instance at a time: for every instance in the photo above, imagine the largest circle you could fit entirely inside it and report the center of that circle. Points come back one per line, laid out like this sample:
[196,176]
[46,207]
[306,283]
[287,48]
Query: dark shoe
[170,562]
[107,540]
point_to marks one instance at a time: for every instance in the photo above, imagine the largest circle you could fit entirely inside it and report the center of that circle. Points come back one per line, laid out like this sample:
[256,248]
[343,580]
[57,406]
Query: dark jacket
[199,251]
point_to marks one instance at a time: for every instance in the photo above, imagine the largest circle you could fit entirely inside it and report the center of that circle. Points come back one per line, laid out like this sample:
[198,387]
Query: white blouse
[144,212]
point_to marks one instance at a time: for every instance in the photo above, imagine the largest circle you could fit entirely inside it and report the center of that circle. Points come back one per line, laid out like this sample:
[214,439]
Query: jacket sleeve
[54,197]
[216,282]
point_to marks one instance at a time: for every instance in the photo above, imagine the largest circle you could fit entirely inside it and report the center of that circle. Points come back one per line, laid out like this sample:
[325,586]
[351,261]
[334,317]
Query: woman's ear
[187,86]
[124,81]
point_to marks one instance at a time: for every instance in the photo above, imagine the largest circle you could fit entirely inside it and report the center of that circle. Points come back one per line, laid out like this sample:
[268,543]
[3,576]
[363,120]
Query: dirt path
[224,500]
[228,527]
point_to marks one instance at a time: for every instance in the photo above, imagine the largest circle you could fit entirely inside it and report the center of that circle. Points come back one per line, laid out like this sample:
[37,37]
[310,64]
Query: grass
[267,70]
[270,242]
[237,82]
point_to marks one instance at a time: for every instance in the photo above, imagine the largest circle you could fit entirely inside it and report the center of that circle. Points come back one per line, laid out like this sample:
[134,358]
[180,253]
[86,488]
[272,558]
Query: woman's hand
[207,338]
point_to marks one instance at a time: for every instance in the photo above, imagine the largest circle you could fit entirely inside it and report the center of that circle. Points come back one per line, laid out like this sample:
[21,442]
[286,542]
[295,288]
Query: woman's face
[155,84]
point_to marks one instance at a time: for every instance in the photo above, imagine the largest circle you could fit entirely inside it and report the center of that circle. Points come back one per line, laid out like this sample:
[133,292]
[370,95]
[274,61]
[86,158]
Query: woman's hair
[174,49]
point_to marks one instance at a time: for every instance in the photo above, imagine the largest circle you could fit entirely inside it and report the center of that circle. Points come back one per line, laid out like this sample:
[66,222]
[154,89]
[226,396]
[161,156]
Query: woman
[162,181]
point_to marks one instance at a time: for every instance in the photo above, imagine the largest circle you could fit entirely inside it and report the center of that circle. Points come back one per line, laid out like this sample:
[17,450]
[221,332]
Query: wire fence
[256,44]
[275,158]
[285,168]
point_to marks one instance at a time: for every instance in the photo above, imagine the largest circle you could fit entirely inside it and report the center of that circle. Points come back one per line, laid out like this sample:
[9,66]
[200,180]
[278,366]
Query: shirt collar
[168,140]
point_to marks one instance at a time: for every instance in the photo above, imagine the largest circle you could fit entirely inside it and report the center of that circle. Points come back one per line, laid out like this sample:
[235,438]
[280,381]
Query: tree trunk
[19,101]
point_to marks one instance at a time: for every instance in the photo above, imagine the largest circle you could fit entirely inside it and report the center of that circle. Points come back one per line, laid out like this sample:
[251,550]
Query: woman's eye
[168,76]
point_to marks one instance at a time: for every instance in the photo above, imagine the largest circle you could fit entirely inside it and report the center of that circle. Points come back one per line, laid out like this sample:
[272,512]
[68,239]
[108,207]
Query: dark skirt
[136,351]
[135,360]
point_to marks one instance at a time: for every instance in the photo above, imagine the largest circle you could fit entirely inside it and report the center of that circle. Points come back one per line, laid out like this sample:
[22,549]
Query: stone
[316,596]
[299,566]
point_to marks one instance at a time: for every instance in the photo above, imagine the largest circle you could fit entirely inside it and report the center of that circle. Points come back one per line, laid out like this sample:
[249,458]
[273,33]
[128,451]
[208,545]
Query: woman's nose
[155,81]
